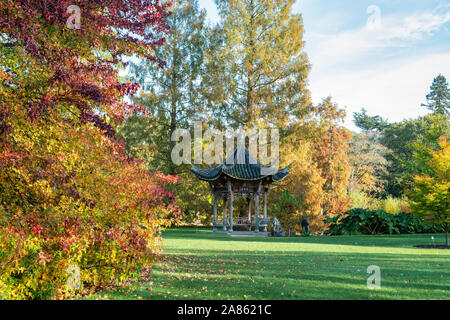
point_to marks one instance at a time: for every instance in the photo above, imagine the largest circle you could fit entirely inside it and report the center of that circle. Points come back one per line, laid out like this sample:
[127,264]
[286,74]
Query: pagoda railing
[241,222]
[263,222]
[220,222]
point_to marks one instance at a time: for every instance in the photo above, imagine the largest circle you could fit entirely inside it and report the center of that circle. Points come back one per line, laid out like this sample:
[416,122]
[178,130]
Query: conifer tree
[170,95]
[438,100]
[257,67]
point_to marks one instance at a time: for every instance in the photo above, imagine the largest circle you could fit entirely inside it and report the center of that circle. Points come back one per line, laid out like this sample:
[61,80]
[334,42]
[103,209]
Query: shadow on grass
[401,240]
[215,270]
[213,274]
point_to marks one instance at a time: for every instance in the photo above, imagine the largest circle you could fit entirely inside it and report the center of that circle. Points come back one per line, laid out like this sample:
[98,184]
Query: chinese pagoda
[240,175]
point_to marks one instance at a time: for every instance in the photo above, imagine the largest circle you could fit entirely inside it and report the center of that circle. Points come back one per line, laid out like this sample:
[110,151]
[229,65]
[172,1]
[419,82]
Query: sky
[378,55]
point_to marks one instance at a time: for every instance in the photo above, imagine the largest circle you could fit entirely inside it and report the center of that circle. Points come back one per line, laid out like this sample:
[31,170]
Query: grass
[199,265]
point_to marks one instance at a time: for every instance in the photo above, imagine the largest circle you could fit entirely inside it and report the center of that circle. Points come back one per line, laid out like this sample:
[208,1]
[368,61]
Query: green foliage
[194,199]
[367,123]
[256,66]
[170,96]
[430,197]
[405,139]
[171,99]
[364,221]
[438,100]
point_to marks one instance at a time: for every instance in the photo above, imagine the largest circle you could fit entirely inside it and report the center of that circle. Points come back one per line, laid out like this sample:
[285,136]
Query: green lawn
[198,265]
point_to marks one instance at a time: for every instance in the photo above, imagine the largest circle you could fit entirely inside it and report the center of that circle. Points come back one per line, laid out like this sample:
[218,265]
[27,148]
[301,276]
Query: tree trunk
[446,234]
[173,111]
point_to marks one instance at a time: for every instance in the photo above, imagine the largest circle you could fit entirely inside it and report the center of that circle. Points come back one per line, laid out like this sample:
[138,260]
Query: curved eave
[238,173]
[243,179]
[281,174]
[207,174]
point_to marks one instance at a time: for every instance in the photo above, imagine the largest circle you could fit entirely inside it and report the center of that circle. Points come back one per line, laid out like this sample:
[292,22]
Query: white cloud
[395,90]
[416,27]
[394,32]
[386,70]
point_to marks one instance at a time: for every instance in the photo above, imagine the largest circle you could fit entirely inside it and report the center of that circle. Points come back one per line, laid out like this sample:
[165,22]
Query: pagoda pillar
[249,205]
[230,208]
[257,207]
[265,208]
[224,213]
[256,213]
[215,213]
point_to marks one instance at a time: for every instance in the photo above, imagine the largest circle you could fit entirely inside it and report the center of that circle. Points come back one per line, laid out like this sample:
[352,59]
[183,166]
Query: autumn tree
[69,196]
[304,182]
[330,155]
[430,196]
[319,178]
[367,162]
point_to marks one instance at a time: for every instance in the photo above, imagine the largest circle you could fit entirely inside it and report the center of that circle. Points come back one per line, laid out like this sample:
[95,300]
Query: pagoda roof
[240,165]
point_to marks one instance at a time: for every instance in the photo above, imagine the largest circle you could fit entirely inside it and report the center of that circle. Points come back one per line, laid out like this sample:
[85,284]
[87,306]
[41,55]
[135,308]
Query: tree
[430,197]
[319,178]
[330,154]
[286,209]
[438,100]
[368,123]
[170,99]
[169,96]
[69,196]
[257,70]
[404,139]
[367,162]
[304,182]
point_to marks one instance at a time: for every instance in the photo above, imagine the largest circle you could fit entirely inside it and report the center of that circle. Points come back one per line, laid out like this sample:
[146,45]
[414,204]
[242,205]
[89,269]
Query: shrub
[408,223]
[359,199]
[393,205]
[361,221]
[70,199]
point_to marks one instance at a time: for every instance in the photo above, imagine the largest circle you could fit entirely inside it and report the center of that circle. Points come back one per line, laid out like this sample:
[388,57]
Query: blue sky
[377,55]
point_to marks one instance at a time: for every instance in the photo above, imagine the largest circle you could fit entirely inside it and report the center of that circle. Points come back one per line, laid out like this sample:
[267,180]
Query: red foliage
[68,193]
[83,79]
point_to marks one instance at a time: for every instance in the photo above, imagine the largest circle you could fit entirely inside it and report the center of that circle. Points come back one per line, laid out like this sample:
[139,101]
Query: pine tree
[438,100]
[257,67]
